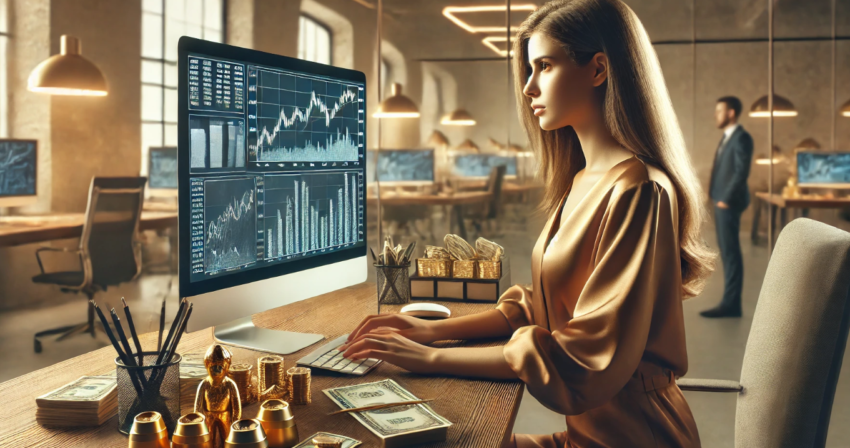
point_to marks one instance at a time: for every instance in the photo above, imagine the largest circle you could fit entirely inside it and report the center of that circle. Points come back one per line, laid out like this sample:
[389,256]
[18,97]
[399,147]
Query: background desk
[783,204]
[72,227]
[482,412]
[455,201]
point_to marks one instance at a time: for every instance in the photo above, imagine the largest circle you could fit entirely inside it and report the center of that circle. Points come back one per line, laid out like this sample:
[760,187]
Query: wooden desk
[72,227]
[783,204]
[482,412]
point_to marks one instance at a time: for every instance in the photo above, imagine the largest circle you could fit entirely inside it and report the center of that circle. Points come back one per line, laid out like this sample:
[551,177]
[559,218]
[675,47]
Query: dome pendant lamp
[782,107]
[397,105]
[68,73]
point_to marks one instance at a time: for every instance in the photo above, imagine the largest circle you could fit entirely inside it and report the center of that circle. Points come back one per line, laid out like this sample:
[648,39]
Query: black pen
[174,324]
[133,333]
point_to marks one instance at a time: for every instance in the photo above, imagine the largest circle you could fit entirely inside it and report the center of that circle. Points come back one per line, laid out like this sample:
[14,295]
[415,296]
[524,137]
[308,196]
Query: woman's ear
[599,62]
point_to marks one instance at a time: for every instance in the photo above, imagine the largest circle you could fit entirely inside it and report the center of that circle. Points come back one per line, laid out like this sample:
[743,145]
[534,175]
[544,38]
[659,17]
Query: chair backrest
[494,187]
[108,243]
[797,339]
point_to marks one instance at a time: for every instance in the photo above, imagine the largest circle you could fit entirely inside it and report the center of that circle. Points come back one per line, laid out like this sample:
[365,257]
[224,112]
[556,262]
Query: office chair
[490,211]
[796,342]
[109,252]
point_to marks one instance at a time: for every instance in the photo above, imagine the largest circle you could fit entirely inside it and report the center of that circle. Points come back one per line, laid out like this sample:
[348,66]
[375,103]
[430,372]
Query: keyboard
[329,358]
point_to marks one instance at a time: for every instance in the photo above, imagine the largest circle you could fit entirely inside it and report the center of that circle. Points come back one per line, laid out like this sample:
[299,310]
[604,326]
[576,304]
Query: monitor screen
[823,168]
[271,171]
[479,165]
[401,165]
[162,168]
[18,160]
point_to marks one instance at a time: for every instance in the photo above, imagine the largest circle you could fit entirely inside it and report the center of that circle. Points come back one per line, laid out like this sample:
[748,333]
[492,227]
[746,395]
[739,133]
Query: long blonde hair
[637,111]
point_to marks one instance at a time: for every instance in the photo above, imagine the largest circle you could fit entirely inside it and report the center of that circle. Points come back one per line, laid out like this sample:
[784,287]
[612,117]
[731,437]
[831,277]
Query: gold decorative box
[434,267]
[491,270]
[465,269]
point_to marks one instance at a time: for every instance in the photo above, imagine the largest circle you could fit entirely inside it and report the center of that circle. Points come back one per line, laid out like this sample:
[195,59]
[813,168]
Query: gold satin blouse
[601,335]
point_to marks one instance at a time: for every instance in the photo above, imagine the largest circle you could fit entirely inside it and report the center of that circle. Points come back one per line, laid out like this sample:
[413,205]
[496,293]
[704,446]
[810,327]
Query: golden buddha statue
[218,397]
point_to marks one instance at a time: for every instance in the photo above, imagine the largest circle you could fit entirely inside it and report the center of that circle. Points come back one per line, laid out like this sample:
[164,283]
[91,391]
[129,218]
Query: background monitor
[18,169]
[271,179]
[162,170]
[823,169]
[479,165]
[401,166]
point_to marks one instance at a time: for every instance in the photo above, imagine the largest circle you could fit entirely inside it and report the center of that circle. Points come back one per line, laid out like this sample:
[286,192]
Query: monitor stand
[243,333]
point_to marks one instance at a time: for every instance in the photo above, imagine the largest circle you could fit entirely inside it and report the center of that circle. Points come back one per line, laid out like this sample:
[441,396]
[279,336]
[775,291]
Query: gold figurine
[218,397]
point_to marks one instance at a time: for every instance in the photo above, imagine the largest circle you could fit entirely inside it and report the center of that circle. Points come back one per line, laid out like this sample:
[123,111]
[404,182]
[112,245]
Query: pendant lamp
[68,73]
[458,117]
[397,105]
[845,109]
[782,107]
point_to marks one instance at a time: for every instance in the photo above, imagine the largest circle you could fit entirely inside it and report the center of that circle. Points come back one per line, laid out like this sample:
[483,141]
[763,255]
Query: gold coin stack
[241,375]
[327,442]
[271,382]
[298,380]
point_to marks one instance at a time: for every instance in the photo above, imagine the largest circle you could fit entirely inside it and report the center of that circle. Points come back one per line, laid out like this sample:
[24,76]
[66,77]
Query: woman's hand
[416,330]
[395,349]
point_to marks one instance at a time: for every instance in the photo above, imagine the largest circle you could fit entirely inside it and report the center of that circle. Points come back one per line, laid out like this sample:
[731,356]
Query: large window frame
[313,34]
[163,22]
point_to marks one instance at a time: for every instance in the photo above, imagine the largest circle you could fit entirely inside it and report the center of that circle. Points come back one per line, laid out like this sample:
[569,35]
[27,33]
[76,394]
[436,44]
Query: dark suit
[729,185]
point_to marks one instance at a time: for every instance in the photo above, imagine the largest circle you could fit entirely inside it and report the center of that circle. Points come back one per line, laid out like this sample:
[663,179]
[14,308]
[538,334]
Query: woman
[601,336]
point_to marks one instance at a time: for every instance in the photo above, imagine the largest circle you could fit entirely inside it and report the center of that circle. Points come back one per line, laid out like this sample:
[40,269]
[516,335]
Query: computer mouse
[426,311]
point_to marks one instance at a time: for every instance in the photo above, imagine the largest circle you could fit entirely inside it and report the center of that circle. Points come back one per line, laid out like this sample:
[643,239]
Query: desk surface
[414,198]
[781,201]
[71,226]
[482,412]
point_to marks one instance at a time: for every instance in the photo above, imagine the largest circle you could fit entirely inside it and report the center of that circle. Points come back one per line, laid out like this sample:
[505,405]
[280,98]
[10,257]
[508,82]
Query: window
[314,41]
[4,94]
[385,78]
[163,23]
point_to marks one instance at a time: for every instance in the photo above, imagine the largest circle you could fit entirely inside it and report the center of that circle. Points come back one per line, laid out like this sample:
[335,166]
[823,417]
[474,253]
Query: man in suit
[731,196]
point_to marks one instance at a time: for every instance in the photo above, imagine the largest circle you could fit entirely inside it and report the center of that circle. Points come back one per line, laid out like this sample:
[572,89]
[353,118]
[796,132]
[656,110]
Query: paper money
[397,426]
[347,442]
[87,401]
[192,372]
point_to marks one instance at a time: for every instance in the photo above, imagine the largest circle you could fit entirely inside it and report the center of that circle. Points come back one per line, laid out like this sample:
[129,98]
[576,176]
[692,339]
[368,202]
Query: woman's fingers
[372,322]
[360,325]
[373,342]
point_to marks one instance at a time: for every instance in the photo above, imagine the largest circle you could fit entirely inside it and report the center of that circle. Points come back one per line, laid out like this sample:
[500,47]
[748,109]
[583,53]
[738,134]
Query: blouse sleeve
[590,358]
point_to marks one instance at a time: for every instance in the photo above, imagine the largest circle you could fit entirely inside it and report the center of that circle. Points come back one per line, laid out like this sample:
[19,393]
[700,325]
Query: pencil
[380,406]
[171,330]
[133,333]
[161,326]
[170,352]
[115,345]
[122,337]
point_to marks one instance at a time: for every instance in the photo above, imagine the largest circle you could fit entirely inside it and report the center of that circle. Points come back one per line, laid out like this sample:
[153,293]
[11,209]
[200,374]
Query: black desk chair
[109,252]
[478,214]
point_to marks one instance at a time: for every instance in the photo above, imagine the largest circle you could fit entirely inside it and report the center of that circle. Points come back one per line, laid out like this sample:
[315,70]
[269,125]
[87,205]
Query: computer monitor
[162,171]
[479,165]
[271,178]
[823,169]
[18,161]
[401,166]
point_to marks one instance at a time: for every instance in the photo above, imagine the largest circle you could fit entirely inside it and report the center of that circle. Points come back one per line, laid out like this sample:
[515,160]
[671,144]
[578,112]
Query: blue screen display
[823,167]
[479,165]
[401,165]
[17,167]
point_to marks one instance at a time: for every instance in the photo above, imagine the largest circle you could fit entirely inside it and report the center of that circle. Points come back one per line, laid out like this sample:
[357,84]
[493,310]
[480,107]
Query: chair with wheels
[109,252]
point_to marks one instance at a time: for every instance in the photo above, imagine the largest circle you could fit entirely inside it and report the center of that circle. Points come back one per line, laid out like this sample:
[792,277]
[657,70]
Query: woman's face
[562,92]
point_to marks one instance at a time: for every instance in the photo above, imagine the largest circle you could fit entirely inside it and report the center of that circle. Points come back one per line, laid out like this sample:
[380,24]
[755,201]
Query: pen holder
[393,284]
[148,388]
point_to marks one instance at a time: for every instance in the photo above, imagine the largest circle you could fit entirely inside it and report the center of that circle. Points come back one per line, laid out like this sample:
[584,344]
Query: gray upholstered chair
[796,342]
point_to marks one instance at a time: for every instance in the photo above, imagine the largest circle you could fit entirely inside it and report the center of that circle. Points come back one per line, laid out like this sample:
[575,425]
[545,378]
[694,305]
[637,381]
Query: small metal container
[465,269]
[192,432]
[149,431]
[278,423]
[434,267]
[247,433]
[489,269]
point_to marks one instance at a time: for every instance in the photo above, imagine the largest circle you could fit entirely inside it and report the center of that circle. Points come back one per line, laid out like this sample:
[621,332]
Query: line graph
[230,223]
[300,119]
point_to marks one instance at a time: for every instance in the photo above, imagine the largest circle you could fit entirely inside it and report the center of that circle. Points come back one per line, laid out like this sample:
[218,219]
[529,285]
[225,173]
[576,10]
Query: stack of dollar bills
[88,401]
[398,426]
[192,372]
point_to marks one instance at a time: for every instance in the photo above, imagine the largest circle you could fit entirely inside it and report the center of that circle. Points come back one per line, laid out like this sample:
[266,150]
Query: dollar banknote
[87,388]
[403,424]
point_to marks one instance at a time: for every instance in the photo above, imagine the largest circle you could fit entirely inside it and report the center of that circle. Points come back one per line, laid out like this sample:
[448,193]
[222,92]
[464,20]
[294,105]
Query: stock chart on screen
[276,165]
